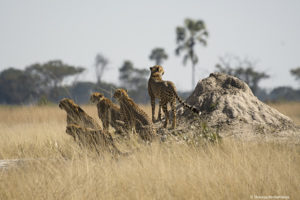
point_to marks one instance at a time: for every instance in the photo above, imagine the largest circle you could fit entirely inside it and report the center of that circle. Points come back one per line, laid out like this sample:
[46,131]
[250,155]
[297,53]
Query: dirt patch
[229,106]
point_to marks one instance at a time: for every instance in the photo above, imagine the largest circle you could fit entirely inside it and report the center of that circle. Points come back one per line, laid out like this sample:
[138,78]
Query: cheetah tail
[192,108]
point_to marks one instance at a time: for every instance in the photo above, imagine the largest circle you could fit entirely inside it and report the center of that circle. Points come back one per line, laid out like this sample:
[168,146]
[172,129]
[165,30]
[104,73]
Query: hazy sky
[74,31]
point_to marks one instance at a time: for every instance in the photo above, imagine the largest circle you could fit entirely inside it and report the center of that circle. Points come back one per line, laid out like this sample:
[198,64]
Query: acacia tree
[52,73]
[193,32]
[50,76]
[158,55]
[100,66]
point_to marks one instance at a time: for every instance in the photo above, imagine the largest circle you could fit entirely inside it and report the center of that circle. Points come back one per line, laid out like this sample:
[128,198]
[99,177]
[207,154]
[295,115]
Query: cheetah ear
[126,90]
[150,68]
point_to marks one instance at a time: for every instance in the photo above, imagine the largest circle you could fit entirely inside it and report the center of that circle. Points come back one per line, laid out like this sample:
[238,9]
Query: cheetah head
[69,106]
[96,97]
[157,69]
[120,93]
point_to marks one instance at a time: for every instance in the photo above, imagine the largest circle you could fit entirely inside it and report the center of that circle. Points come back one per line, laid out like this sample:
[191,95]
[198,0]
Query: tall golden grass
[291,109]
[54,167]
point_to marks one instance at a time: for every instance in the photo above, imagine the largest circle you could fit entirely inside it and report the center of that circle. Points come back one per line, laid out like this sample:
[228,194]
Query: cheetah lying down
[82,127]
[92,138]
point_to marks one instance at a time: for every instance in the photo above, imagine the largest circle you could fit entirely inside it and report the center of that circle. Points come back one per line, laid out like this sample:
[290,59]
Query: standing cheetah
[165,91]
[156,75]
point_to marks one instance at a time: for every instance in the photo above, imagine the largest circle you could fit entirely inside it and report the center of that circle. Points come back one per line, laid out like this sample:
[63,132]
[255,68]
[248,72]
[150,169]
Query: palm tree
[187,36]
[158,55]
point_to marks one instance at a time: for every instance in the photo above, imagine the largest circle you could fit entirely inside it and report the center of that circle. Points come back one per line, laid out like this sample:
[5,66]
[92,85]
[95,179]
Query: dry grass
[291,109]
[61,170]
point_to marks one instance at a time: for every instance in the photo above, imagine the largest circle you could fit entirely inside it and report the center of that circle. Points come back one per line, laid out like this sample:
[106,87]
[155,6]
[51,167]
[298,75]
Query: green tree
[158,55]
[187,36]
[80,91]
[100,66]
[36,81]
[126,72]
[106,88]
[17,87]
[243,69]
[284,93]
[52,73]
[50,76]
[134,80]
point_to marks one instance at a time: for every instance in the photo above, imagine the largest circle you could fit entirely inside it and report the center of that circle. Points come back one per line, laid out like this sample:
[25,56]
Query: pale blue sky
[74,31]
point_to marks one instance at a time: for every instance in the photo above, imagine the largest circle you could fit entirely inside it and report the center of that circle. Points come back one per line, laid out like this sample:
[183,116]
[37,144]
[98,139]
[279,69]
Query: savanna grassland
[54,167]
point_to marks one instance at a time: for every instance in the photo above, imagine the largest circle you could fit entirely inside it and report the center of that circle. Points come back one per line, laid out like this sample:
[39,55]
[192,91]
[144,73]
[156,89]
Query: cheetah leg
[159,111]
[107,121]
[120,128]
[153,108]
[124,119]
[165,109]
[173,107]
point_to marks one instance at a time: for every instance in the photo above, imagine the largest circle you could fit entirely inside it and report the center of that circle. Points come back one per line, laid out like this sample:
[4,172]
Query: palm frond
[180,34]
[199,25]
[179,49]
[202,41]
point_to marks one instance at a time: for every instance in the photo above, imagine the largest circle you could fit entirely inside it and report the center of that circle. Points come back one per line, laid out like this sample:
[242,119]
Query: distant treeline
[44,83]
[245,70]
